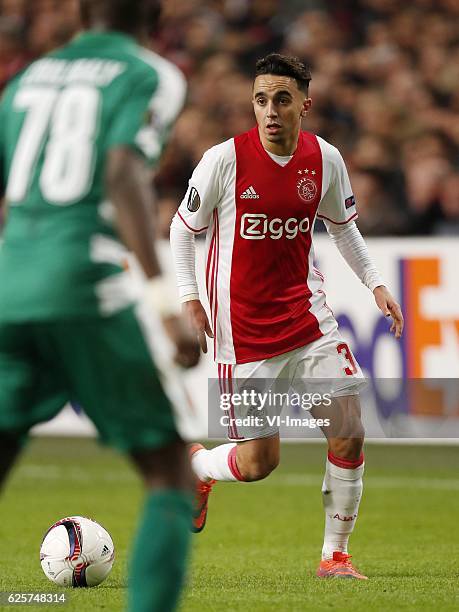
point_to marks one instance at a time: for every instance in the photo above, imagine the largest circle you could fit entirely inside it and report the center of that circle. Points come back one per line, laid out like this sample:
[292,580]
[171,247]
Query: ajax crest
[307,189]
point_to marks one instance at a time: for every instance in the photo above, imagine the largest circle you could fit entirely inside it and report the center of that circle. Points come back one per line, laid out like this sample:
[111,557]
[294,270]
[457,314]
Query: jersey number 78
[65,122]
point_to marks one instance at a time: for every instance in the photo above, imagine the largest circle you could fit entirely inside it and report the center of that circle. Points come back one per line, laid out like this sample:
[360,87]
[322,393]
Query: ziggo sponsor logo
[257,226]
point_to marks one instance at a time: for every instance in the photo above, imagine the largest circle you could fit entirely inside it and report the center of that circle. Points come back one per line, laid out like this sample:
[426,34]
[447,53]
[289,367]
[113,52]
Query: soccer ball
[77,552]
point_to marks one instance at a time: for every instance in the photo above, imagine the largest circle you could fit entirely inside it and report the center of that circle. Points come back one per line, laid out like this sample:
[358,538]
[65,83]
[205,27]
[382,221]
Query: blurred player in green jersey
[76,130]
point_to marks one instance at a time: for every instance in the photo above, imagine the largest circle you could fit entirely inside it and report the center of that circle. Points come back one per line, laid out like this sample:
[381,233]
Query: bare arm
[130,194]
[2,195]
[129,191]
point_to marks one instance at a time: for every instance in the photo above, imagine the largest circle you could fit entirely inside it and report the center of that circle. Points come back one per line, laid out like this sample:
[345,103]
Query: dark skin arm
[129,191]
[2,206]
[2,177]
[2,192]
[130,194]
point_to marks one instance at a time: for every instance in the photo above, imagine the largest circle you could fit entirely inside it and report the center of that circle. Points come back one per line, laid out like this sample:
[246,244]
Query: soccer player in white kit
[257,197]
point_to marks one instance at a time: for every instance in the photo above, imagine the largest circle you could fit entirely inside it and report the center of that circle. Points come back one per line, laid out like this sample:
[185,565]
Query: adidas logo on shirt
[250,194]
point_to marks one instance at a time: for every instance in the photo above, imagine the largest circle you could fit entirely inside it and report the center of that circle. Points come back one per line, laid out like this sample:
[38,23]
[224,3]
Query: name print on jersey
[257,226]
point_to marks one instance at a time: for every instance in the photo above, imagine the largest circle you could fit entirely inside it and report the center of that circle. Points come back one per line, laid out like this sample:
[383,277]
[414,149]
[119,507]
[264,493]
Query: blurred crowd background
[385,90]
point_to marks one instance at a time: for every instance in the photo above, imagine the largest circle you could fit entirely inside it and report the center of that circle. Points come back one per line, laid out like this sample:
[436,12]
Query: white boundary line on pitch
[376,441]
[41,472]
[381,441]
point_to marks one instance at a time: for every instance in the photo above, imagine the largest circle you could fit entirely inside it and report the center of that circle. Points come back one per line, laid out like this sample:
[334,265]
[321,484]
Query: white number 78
[71,116]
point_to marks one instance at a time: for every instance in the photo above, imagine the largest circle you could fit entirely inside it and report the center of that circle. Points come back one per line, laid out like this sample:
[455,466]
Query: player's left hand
[390,308]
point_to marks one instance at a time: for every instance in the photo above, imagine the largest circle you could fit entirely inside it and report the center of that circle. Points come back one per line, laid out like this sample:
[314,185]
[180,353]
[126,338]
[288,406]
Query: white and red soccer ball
[77,552]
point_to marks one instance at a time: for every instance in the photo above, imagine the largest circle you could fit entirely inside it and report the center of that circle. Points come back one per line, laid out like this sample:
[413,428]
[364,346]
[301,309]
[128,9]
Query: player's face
[279,107]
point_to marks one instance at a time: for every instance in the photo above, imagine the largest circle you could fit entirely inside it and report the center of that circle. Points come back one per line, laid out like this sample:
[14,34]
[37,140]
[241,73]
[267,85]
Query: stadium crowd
[385,90]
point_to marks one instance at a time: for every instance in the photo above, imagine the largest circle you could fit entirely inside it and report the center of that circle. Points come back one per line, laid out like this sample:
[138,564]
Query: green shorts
[103,364]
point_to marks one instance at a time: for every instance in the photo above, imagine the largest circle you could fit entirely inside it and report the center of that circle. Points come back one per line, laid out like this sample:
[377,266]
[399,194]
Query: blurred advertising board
[412,383]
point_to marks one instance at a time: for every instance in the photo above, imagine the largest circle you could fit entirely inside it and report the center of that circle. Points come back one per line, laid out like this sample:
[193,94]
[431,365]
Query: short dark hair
[124,15]
[285,65]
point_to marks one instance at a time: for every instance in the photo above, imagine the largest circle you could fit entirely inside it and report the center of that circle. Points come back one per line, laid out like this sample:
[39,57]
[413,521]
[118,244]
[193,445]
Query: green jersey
[60,255]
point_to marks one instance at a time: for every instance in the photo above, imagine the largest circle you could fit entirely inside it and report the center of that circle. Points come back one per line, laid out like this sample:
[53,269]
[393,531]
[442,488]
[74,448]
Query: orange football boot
[202,492]
[339,567]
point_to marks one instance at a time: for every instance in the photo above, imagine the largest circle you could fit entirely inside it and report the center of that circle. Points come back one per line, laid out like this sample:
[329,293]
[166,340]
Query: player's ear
[306,106]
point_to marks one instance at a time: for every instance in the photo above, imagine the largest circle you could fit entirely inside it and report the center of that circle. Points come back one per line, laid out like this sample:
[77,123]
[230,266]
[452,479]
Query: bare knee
[256,459]
[257,471]
[345,440]
[258,467]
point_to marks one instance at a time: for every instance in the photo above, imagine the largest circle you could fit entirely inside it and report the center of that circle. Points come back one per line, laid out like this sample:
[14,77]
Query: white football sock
[341,493]
[216,464]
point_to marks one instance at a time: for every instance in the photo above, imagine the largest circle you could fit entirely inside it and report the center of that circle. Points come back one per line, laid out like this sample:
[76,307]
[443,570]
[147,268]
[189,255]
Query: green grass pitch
[262,542]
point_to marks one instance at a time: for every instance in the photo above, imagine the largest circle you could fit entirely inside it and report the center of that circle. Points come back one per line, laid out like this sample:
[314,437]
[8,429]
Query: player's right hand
[187,348]
[197,317]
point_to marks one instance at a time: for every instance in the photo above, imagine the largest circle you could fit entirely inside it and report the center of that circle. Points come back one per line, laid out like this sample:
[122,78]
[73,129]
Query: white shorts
[326,365]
